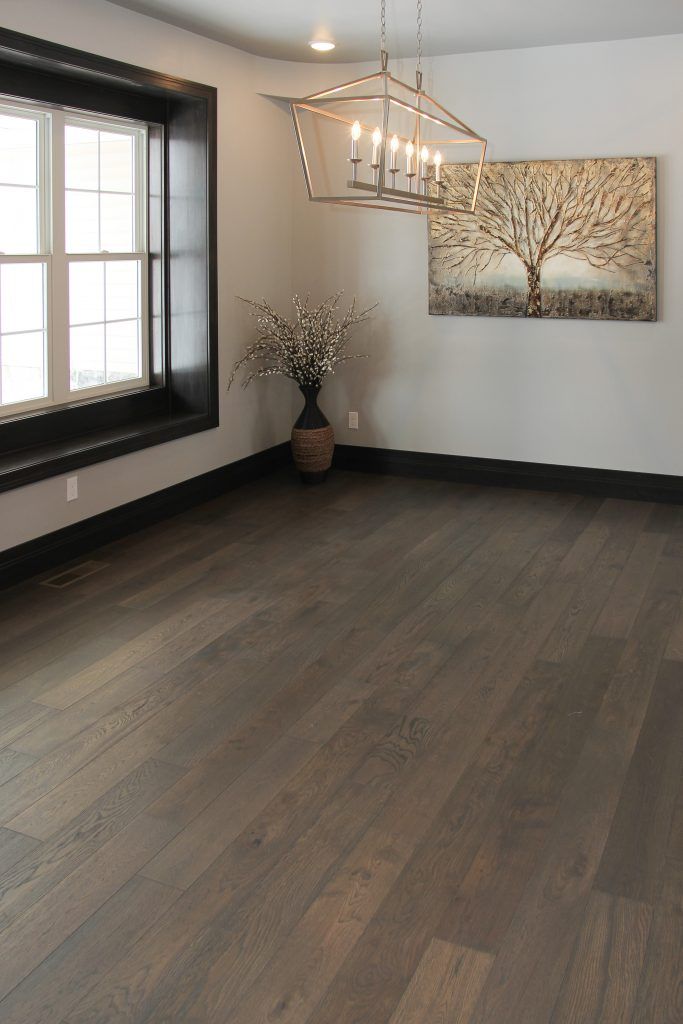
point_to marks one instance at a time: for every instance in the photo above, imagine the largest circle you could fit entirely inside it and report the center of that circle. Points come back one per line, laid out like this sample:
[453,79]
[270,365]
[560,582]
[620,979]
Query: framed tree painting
[548,238]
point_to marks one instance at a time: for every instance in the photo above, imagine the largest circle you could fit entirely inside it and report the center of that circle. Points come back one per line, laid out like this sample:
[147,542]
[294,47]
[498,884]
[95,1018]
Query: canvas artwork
[549,238]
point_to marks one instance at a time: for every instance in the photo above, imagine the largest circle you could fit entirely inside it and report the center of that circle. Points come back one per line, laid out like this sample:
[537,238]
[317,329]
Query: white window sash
[52,253]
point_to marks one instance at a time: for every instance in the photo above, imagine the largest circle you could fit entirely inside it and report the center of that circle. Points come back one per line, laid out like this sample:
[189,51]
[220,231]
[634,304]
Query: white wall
[570,392]
[254,252]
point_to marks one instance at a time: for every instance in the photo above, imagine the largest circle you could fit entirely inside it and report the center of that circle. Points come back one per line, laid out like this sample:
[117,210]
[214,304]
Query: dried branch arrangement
[306,349]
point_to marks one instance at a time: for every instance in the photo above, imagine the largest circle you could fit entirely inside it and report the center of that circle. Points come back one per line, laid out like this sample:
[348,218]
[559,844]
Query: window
[73,257]
[108,269]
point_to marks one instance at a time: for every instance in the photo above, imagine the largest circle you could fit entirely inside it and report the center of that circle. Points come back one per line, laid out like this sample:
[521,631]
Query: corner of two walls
[571,392]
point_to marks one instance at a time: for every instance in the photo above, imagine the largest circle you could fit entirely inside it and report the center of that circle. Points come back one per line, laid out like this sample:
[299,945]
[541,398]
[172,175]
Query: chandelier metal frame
[379,194]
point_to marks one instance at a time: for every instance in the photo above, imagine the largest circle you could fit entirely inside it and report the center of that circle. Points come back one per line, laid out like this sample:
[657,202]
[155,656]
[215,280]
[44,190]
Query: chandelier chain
[419,37]
[383,26]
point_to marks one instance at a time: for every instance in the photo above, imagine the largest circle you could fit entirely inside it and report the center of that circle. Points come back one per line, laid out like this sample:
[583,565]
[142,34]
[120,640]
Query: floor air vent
[73,575]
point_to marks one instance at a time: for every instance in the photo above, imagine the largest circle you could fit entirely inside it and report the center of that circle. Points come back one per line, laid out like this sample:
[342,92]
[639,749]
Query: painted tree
[599,211]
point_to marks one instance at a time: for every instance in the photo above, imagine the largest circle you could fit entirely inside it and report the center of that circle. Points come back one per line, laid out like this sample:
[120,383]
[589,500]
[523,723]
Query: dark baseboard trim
[605,483]
[36,556]
[43,553]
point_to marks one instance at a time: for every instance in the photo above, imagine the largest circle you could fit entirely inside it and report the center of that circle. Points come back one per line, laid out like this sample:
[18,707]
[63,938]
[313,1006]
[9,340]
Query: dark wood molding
[183,262]
[607,483]
[30,465]
[31,51]
[71,542]
[75,541]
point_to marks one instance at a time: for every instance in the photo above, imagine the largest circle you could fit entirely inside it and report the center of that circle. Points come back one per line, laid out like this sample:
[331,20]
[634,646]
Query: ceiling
[282,28]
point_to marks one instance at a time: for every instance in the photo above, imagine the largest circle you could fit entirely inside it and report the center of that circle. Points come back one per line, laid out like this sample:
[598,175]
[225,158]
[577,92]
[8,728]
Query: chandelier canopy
[377,142]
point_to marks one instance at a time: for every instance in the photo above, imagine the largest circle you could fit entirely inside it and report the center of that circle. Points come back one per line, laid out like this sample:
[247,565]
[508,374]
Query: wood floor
[380,752]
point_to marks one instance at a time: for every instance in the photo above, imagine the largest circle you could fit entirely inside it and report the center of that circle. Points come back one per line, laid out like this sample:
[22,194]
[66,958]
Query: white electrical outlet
[353,421]
[71,488]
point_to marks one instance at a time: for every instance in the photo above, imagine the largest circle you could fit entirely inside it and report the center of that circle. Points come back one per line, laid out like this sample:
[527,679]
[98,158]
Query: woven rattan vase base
[312,451]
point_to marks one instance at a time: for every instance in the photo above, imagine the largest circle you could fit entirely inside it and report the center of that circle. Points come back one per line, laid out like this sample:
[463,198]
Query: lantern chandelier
[380,143]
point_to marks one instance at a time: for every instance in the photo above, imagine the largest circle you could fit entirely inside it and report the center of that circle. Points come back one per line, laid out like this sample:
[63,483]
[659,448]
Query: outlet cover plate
[71,488]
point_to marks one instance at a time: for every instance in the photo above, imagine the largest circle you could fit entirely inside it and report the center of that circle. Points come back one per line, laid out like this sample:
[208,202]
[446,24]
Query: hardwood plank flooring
[380,752]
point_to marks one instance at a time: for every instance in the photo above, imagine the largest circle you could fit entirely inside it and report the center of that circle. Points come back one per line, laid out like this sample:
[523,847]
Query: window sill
[19,468]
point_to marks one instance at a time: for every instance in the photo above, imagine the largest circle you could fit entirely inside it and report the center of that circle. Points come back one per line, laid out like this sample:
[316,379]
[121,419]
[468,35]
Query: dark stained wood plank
[47,994]
[672,867]
[168,636]
[633,860]
[82,787]
[17,721]
[41,868]
[529,967]
[125,655]
[45,925]
[187,856]
[12,762]
[62,652]
[291,985]
[674,651]
[621,608]
[601,982]
[90,746]
[664,519]
[615,528]
[196,571]
[445,986]
[13,847]
[484,905]
[659,995]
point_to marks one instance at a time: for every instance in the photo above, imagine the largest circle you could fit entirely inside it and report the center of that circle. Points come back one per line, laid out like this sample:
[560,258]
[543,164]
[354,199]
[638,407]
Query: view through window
[73,260]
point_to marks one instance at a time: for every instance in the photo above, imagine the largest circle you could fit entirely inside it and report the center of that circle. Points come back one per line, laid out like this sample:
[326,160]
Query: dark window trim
[183,396]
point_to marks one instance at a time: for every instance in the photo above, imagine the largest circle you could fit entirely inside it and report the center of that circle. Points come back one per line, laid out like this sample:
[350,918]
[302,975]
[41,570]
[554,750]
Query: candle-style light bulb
[410,150]
[437,167]
[355,159]
[393,165]
[424,168]
[376,143]
[410,167]
[355,135]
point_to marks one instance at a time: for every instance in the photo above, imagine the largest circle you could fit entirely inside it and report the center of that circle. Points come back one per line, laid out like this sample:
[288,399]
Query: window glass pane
[86,293]
[101,163]
[87,367]
[123,350]
[116,162]
[18,220]
[123,284]
[81,160]
[82,222]
[105,296]
[22,297]
[22,374]
[18,150]
[116,220]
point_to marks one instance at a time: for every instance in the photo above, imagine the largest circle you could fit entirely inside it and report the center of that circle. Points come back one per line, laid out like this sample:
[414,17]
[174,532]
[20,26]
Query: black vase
[312,439]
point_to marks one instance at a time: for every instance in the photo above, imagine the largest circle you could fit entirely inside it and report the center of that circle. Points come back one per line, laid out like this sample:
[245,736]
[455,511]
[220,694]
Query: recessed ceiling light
[323,45]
